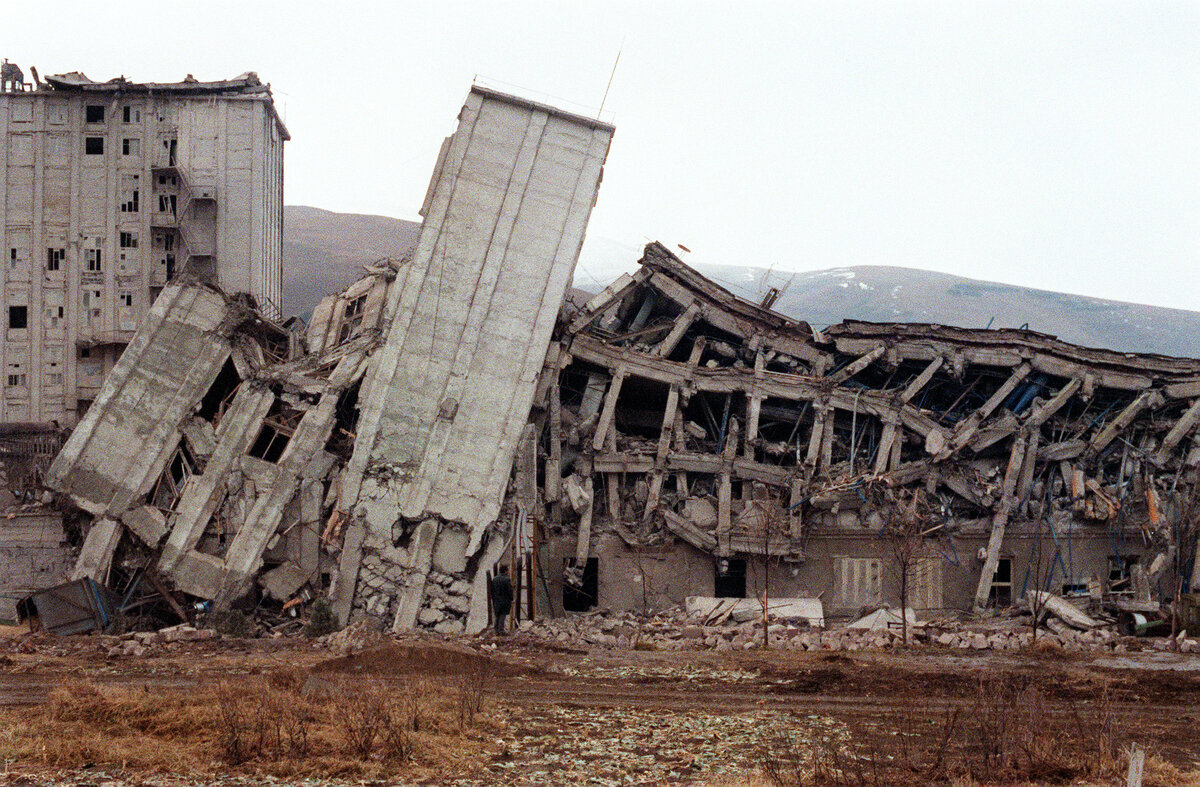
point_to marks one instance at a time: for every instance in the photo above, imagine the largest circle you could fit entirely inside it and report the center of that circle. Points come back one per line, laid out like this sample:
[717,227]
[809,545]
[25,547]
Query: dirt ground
[549,714]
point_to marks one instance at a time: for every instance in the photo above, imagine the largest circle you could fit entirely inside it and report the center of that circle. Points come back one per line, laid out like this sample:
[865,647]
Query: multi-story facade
[108,190]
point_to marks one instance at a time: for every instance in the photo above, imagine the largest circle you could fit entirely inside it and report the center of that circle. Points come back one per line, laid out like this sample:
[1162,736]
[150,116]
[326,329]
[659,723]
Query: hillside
[323,252]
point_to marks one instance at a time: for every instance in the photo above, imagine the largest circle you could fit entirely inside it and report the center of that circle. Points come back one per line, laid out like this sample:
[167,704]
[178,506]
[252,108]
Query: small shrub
[231,623]
[321,620]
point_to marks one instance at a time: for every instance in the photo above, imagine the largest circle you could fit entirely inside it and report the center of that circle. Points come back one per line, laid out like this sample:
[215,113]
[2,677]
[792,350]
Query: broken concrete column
[342,591]
[147,523]
[96,556]
[412,593]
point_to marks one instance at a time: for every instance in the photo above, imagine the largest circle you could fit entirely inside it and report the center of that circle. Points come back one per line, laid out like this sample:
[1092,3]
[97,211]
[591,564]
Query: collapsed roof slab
[120,447]
[451,388]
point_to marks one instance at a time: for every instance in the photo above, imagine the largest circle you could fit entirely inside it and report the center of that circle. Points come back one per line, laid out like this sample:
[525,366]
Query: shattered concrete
[370,465]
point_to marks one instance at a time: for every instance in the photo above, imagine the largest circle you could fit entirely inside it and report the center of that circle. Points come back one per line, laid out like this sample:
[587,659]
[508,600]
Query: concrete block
[98,546]
[198,574]
[449,553]
[283,581]
[147,523]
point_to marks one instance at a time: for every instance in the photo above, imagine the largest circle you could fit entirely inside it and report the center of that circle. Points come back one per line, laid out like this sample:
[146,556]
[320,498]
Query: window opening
[18,317]
[276,433]
[54,258]
[170,484]
[129,240]
[729,579]
[1001,593]
[583,598]
[220,393]
[93,146]
[95,113]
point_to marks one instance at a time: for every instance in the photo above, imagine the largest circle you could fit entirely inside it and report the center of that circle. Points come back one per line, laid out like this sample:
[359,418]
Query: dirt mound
[421,658]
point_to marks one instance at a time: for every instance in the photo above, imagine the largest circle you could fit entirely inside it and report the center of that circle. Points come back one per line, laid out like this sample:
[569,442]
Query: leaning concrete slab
[120,447]
[504,222]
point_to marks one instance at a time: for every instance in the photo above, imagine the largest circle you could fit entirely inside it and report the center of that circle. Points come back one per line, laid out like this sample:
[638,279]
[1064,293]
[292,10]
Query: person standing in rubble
[502,597]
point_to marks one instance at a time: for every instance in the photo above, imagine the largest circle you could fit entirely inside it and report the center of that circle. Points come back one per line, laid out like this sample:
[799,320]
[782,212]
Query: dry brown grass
[1006,734]
[282,724]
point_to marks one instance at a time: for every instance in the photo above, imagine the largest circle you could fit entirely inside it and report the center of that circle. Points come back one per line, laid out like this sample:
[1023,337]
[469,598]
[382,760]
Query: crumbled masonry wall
[34,554]
[450,412]
[371,464]
[680,414]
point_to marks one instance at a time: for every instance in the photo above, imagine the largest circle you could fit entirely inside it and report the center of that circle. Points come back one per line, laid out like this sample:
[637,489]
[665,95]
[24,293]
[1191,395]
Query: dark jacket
[502,592]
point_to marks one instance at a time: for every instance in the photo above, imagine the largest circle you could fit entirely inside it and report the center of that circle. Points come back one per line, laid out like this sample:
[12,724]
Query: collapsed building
[666,439]
[225,449]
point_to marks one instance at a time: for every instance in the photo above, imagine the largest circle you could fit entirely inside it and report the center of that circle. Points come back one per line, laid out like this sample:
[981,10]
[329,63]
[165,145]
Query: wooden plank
[1054,404]
[1028,465]
[609,410]
[1000,522]
[846,372]
[922,379]
[1180,430]
[678,329]
[967,428]
[617,291]
[1144,400]
[883,454]
[660,457]
[1067,449]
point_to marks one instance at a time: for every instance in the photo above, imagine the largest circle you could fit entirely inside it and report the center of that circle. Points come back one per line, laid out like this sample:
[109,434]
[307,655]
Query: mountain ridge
[324,251]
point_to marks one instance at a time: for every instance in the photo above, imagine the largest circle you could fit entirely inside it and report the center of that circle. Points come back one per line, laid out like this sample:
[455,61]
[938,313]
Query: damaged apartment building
[666,439]
[108,191]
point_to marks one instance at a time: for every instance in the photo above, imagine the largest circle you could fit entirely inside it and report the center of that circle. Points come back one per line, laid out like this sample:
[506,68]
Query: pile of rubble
[676,630]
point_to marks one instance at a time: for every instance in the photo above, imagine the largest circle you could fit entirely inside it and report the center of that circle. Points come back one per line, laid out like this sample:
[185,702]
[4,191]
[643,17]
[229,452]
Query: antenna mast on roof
[608,87]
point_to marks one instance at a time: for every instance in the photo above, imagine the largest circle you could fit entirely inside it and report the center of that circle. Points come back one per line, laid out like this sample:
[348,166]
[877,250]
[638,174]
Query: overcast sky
[1053,145]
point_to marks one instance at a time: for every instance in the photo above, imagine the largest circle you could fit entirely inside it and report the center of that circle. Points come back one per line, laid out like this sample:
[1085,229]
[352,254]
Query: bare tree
[769,527]
[906,521]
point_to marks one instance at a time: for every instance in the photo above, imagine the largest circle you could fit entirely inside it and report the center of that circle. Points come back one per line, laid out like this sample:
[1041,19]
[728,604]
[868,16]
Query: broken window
[582,598]
[93,146]
[94,113]
[220,393]
[93,304]
[54,258]
[16,377]
[1120,568]
[131,147]
[729,579]
[129,193]
[166,203]
[352,319]
[129,240]
[18,317]
[52,366]
[1001,593]
[53,308]
[131,114]
[93,260]
[275,433]
[170,484]
[125,298]
[859,581]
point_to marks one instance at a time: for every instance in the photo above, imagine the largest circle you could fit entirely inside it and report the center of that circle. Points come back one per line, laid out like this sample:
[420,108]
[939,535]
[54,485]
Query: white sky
[1052,145]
